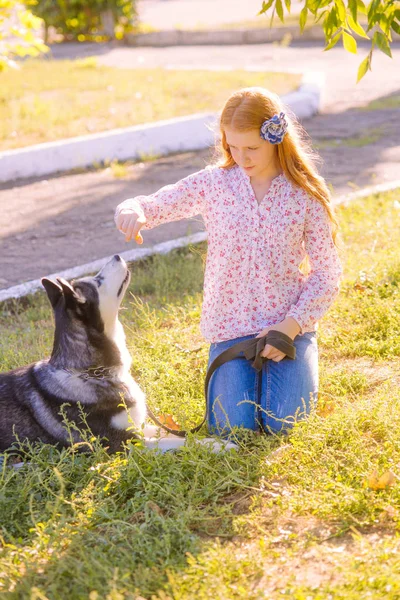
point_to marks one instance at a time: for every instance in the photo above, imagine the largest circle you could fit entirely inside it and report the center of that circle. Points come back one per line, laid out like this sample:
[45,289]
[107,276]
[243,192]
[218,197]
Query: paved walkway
[64,221]
[179,14]
[172,14]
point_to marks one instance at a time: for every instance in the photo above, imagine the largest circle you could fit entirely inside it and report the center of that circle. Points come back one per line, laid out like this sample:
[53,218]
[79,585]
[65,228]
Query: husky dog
[88,371]
[87,376]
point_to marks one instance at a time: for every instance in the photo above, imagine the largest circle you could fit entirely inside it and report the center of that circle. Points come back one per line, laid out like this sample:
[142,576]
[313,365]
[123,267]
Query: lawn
[48,100]
[317,519]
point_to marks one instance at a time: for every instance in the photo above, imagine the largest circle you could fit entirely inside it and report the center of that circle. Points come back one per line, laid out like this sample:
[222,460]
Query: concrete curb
[223,37]
[307,99]
[154,139]
[228,37]
[367,191]
[30,287]
[182,134]
[23,289]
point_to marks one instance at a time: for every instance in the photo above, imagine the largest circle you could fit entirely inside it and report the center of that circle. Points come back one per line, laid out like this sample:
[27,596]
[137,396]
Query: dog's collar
[94,372]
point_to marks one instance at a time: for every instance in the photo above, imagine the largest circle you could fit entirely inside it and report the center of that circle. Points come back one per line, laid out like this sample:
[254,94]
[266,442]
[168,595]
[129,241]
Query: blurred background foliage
[83,20]
[20,34]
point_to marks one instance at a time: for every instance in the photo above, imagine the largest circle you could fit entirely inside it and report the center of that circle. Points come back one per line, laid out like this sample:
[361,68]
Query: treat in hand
[130,221]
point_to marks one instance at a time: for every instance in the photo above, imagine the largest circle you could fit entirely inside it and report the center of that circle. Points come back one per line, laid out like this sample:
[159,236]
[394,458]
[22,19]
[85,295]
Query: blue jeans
[272,399]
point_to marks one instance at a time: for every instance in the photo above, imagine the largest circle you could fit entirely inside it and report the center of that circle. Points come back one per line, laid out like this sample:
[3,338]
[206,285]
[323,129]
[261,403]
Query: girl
[266,211]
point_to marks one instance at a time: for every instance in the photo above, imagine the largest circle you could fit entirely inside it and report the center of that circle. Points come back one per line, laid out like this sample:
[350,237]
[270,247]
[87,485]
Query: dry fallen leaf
[381,483]
[326,409]
[359,286]
[389,513]
[168,420]
[154,507]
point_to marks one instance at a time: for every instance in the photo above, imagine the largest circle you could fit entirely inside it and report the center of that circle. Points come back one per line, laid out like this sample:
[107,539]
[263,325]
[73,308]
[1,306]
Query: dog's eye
[99,280]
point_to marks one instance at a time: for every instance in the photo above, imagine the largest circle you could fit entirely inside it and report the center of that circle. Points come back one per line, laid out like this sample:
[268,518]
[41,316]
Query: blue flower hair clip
[273,130]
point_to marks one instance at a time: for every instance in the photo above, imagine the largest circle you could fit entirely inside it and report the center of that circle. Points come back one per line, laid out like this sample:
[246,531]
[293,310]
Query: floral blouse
[252,278]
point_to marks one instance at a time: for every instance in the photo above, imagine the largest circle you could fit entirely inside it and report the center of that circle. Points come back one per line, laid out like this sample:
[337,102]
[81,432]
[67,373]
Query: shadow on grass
[121,525]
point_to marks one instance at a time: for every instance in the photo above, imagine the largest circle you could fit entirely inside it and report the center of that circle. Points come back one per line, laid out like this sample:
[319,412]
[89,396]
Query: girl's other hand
[130,221]
[288,326]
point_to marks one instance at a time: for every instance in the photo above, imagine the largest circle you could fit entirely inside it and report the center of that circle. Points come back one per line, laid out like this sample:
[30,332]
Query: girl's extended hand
[288,326]
[130,221]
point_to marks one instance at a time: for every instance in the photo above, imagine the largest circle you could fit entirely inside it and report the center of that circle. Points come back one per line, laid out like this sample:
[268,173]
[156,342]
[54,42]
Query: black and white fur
[89,369]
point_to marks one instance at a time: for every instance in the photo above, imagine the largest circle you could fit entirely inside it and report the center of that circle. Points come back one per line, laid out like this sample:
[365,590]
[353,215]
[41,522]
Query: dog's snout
[117,257]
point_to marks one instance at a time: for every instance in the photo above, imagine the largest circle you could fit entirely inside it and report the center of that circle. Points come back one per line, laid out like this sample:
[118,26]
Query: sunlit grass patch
[29,320]
[343,382]
[391,102]
[275,566]
[48,100]
[365,322]
[335,456]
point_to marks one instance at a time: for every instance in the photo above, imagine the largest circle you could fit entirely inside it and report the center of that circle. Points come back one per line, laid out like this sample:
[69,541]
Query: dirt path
[60,222]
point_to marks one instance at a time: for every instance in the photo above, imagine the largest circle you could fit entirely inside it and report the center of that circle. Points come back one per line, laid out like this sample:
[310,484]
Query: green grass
[392,102]
[48,100]
[302,523]
[363,138]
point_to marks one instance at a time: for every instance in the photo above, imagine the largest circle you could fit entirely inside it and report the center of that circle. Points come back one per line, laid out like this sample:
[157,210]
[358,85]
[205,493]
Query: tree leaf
[311,5]
[317,5]
[382,43]
[349,43]
[331,23]
[396,27]
[353,9]
[321,16]
[373,9]
[333,41]
[356,27]
[384,25]
[361,7]
[364,67]
[303,18]
[287,4]
[341,9]
[266,6]
[279,10]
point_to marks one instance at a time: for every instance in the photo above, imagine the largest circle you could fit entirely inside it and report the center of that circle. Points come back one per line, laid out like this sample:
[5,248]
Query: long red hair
[247,109]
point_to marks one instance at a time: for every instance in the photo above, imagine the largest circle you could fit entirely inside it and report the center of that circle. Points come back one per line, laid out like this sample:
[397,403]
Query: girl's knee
[283,421]
[225,417]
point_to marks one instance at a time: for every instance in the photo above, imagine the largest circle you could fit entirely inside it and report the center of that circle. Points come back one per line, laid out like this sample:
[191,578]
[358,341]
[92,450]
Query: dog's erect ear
[53,290]
[66,287]
[69,291]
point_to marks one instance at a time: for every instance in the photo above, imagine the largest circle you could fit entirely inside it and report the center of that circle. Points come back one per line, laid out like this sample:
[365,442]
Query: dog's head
[92,300]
